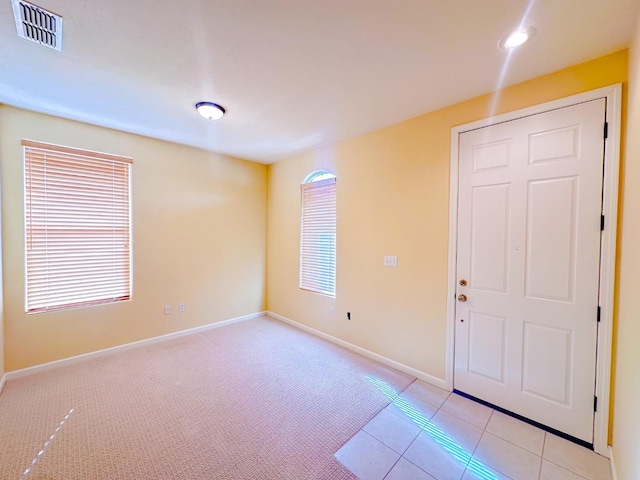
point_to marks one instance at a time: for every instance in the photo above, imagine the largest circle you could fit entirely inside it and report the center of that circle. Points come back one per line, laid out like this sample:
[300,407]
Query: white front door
[529,224]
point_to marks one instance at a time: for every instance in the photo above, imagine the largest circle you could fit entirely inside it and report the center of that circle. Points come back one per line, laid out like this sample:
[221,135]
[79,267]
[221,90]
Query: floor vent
[38,25]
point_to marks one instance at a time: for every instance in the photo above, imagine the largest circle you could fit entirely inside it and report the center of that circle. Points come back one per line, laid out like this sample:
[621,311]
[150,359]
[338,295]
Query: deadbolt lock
[463,283]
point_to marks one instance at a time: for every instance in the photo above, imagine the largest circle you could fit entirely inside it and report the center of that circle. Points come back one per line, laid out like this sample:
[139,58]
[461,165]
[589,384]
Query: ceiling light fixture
[210,110]
[517,38]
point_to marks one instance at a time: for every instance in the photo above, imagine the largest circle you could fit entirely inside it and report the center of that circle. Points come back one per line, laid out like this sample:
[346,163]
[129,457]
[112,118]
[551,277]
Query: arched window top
[318,175]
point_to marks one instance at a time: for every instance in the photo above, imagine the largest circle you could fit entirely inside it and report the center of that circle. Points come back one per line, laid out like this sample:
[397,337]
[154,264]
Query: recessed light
[210,110]
[517,38]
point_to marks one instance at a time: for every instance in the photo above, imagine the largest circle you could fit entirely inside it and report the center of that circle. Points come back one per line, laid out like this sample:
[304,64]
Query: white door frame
[608,241]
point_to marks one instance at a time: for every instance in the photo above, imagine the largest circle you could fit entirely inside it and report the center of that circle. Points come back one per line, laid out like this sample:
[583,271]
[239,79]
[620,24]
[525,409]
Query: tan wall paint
[2,368]
[199,227]
[626,399]
[393,194]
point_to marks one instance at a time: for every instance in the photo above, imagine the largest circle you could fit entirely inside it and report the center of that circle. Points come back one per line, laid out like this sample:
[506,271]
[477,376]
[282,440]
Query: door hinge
[601,222]
[606,130]
[595,403]
[599,311]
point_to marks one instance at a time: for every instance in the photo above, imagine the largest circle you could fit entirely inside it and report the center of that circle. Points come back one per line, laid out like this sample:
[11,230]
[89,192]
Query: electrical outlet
[332,312]
[167,309]
[390,261]
[181,307]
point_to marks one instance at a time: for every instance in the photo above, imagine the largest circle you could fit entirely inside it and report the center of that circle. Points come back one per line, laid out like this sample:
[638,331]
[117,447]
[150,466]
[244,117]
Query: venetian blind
[77,219]
[318,237]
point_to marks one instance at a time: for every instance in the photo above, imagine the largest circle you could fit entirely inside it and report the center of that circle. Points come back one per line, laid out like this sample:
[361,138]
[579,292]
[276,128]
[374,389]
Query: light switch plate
[390,261]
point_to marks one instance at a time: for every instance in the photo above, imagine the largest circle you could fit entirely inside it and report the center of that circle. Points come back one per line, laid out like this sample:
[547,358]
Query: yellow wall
[393,194]
[2,369]
[626,402]
[199,223]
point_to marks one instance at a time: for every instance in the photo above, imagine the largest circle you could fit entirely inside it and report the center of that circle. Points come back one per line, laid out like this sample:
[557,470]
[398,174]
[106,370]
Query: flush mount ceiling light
[517,38]
[210,110]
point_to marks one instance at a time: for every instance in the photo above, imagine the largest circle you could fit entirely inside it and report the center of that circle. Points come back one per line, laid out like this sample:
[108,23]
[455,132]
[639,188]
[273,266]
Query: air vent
[38,25]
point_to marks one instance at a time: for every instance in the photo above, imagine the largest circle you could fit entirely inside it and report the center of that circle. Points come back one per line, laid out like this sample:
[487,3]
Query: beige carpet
[253,400]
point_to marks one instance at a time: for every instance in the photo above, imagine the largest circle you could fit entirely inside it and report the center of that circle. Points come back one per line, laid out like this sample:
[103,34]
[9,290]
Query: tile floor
[427,433]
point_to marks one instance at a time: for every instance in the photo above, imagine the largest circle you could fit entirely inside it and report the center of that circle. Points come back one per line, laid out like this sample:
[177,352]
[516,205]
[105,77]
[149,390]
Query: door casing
[608,241]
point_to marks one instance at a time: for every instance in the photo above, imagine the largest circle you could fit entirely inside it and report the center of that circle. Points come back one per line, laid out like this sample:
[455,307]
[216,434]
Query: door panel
[547,362]
[491,155]
[529,207]
[553,145]
[551,238]
[489,261]
[487,330]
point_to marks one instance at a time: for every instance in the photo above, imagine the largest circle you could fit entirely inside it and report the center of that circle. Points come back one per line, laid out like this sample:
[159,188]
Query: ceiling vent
[38,25]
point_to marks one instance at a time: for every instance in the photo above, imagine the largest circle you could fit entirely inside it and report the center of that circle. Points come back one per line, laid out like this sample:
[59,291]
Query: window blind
[77,221]
[318,237]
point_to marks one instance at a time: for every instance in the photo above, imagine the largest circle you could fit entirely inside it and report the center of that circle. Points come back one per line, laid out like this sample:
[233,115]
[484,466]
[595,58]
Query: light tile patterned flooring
[427,433]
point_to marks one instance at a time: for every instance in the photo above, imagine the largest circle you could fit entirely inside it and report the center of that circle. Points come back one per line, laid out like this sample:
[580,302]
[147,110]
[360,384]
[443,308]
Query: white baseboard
[438,382]
[612,464]
[99,353]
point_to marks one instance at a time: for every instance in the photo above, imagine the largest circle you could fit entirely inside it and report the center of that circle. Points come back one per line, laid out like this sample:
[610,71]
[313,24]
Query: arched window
[318,233]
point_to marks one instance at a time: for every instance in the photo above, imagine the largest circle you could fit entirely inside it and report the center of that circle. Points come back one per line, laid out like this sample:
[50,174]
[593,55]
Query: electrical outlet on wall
[181,307]
[167,309]
[332,312]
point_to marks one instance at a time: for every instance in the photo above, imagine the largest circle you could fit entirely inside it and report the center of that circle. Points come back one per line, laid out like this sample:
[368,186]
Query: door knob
[462,297]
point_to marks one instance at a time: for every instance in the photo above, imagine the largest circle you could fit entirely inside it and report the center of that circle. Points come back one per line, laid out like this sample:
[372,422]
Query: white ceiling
[292,74]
